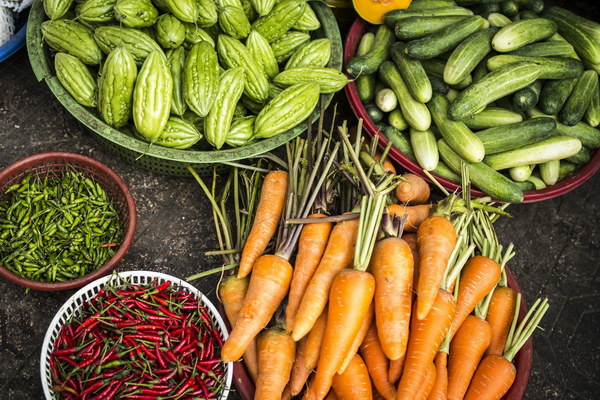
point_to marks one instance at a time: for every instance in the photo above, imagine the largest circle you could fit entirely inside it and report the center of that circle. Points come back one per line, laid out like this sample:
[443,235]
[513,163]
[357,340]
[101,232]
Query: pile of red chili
[150,341]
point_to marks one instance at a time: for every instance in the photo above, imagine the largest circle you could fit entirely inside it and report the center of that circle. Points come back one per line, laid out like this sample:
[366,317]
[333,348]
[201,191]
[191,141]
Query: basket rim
[129,233]
[43,72]
[65,312]
[584,173]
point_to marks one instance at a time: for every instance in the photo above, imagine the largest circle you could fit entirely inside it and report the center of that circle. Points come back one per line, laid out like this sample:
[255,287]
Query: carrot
[466,350]
[266,219]
[424,339]
[436,238]
[499,316]
[358,339]
[349,300]
[479,276]
[439,391]
[412,189]
[232,292]
[415,215]
[392,267]
[276,351]
[427,385]
[339,254]
[286,395]
[387,164]
[396,368]
[377,363]
[354,383]
[495,374]
[311,246]
[411,241]
[331,396]
[307,355]
[268,286]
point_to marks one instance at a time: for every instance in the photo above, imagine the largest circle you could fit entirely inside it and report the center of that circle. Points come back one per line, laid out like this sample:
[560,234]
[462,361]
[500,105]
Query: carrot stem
[371,213]
[211,271]
[525,328]
[367,186]
[436,183]
[333,218]
[245,166]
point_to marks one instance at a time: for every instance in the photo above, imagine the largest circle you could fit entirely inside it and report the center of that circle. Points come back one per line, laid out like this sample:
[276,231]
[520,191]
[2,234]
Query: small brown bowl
[53,164]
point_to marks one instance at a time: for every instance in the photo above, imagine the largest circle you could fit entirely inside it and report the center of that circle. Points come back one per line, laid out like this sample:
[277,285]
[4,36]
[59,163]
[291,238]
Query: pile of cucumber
[509,87]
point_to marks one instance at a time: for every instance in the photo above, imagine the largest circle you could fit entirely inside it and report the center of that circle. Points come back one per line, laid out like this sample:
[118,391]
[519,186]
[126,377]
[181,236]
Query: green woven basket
[156,158]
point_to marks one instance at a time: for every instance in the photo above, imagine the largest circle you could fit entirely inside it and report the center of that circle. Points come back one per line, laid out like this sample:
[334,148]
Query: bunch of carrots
[349,282]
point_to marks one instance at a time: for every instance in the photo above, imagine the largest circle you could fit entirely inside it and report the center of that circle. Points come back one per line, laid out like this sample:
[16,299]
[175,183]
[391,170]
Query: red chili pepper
[165,377]
[169,313]
[144,307]
[91,388]
[156,392]
[152,317]
[188,384]
[163,286]
[109,392]
[160,300]
[145,336]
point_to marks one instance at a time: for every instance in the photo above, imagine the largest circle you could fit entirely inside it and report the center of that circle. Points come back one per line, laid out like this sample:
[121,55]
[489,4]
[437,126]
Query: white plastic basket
[74,304]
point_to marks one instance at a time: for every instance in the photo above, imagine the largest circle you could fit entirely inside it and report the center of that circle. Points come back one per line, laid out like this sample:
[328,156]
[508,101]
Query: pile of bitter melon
[180,72]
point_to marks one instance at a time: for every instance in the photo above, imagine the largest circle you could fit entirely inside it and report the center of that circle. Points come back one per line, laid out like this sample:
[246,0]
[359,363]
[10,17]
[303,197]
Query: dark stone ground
[557,243]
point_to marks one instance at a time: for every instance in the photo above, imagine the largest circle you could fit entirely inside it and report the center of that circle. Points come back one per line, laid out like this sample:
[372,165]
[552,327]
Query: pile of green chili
[55,229]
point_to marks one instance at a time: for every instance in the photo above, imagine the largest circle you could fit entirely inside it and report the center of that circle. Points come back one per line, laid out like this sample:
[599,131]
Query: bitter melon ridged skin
[185,10]
[288,109]
[201,78]
[151,96]
[218,120]
[233,21]
[72,38]
[285,46]
[280,20]
[76,78]
[178,134]
[170,32]
[315,53]
[139,44]
[136,13]
[330,80]
[56,9]
[176,62]
[96,11]
[115,87]
[263,53]
[241,131]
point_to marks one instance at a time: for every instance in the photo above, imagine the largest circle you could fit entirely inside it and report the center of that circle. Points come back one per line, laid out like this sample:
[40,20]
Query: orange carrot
[311,246]
[396,368]
[424,339]
[478,277]
[436,239]
[427,385]
[392,267]
[412,189]
[287,394]
[331,396]
[466,350]
[494,376]
[349,300]
[415,215]
[232,292]
[358,339]
[266,219]
[411,241]
[499,316]
[354,383]
[268,286]
[339,254]
[439,391]
[387,164]
[276,351]
[307,355]
[377,363]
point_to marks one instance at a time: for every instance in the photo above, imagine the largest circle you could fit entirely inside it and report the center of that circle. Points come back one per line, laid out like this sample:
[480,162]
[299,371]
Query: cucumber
[525,186]
[527,14]
[386,100]
[452,94]
[520,33]
[498,83]
[374,112]
[491,117]
[555,48]
[399,140]
[555,93]
[583,156]
[445,39]
[436,66]
[438,85]
[482,176]
[512,136]
[412,72]
[550,67]
[537,182]
[520,173]
[392,17]
[497,19]
[397,120]
[458,136]
[549,171]
[588,135]
[445,172]
[481,70]
[553,148]
[416,113]
[581,32]
[424,147]
[486,9]
[510,8]
[365,84]
[580,98]
[467,55]
[566,169]
[417,27]
[369,62]
[527,98]
[536,6]
[430,4]
[592,114]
